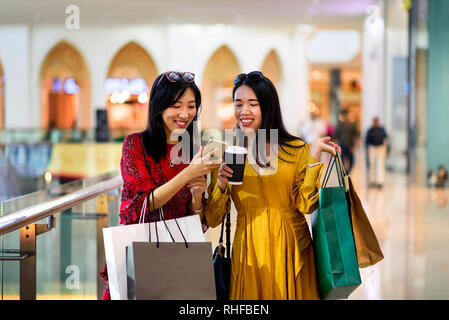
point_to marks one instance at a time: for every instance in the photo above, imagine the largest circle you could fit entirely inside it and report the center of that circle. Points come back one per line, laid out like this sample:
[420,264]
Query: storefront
[131,74]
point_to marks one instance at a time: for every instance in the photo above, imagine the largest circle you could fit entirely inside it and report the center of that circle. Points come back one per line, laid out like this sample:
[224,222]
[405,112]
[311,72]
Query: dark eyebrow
[191,101]
[248,99]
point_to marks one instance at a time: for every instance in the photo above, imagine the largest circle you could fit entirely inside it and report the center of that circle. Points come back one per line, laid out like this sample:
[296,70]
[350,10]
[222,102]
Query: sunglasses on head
[254,75]
[174,76]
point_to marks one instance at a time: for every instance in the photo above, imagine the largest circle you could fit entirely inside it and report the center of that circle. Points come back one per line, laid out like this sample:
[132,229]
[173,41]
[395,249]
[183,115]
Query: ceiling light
[317,75]
[142,98]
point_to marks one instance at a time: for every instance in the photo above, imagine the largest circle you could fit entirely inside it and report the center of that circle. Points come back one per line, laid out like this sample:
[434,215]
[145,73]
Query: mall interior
[75,81]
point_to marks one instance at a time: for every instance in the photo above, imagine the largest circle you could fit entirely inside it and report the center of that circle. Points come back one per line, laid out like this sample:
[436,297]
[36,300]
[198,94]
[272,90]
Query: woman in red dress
[154,159]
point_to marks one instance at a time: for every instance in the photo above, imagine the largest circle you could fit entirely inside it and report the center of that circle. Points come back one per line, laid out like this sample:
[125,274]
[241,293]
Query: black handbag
[222,262]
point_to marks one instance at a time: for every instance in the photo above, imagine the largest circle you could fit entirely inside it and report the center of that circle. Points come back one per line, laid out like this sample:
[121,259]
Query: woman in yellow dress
[272,254]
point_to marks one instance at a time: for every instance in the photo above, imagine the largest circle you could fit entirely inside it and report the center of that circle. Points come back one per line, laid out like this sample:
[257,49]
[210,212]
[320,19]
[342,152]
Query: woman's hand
[201,165]
[324,144]
[223,174]
[197,186]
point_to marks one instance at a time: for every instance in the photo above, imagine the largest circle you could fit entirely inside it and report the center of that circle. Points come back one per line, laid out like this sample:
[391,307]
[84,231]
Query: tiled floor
[412,225]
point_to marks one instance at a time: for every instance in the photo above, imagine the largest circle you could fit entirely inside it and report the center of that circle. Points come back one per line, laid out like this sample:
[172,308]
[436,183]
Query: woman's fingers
[226,168]
[196,181]
[225,171]
[222,178]
[329,146]
[199,178]
[199,185]
[335,146]
[329,149]
[210,156]
[226,174]
[201,188]
[210,163]
[195,184]
[324,145]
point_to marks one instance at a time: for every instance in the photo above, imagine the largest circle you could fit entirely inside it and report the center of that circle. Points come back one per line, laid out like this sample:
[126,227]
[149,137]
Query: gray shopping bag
[170,270]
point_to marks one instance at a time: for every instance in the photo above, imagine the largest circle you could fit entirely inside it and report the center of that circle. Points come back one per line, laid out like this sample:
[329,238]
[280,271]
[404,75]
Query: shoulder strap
[226,221]
[228,235]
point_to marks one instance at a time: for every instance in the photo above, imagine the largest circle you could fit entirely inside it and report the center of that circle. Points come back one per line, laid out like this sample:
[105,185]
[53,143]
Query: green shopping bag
[333,241]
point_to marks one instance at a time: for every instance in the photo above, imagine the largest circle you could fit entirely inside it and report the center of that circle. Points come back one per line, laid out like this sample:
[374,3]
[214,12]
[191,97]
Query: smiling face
[247,110]
[178,116]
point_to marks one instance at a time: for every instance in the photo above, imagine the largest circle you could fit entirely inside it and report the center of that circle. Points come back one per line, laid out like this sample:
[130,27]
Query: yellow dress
[272,254]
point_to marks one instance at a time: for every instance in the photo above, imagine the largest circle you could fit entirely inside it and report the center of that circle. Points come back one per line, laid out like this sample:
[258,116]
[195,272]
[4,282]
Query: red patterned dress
[141,174]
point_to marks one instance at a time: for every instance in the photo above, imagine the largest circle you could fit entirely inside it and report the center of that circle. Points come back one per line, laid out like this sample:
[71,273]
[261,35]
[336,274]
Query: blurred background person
[314,128]
[442,177]
[346,134]
[376,145]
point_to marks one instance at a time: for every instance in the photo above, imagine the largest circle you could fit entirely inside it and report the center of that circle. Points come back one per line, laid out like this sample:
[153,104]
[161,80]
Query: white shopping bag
[116,239]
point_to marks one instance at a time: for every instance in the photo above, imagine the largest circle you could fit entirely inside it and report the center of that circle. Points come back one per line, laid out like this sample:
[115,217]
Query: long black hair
[164,94]
[271,113]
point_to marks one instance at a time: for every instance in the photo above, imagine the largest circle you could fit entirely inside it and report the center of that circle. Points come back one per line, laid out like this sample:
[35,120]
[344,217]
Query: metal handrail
[40,211]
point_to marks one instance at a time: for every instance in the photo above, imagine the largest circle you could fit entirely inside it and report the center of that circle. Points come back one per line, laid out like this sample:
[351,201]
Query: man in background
[376,144]
[346,135]
[313,129]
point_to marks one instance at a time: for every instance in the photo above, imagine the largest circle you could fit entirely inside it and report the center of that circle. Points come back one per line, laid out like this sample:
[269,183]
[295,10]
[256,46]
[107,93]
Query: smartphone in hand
[215,144]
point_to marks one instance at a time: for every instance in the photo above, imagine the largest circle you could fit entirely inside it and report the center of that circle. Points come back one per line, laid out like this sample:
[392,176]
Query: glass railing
[59,135]
[70,255]
[28,157]
[32,136]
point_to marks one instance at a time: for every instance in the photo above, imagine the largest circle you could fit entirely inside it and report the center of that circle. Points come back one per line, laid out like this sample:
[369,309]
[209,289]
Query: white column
[294,108]
[396,53]
[373,69]
[182,47]
[14,53]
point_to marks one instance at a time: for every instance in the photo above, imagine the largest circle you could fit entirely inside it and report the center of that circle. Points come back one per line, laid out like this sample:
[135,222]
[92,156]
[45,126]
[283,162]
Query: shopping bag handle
[162,218]
[342,167]
[329,170]
[144,209]
[339,170]
[155,222]
[220,241]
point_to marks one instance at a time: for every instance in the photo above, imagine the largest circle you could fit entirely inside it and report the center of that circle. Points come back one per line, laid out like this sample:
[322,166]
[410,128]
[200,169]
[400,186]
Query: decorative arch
[272,68]
[133,63]
[65,107]
[2,85]
[219,73]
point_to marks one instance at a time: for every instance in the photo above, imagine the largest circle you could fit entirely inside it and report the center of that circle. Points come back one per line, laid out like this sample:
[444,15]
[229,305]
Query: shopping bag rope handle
[328,171]
[144,210]
[340,167]
[343,170]
[155,222]
[339,172]
[329,168]
[162,218]
[185,241]
[220,241]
